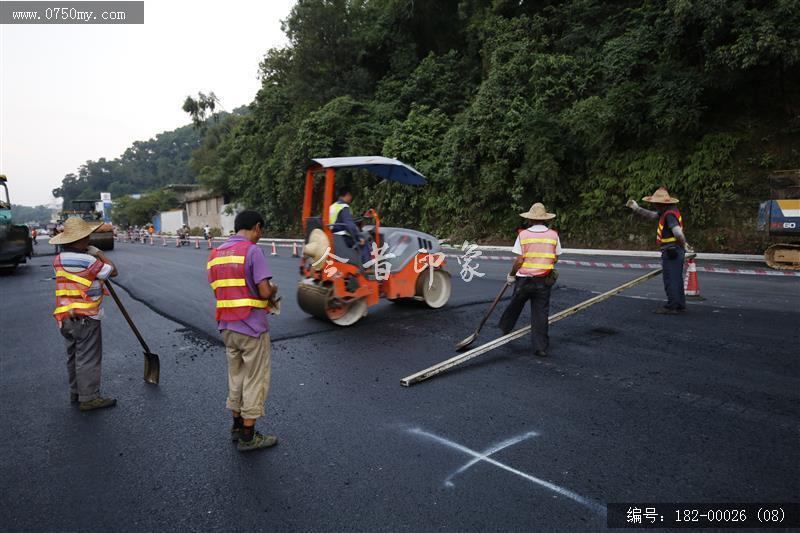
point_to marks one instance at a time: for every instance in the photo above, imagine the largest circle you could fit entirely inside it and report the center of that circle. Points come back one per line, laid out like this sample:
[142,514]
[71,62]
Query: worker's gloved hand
[511,279]
[632,204]
[689,249]
[93,250]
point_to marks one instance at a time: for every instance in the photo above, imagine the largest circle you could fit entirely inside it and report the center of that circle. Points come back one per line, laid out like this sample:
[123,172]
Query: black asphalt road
[629,406]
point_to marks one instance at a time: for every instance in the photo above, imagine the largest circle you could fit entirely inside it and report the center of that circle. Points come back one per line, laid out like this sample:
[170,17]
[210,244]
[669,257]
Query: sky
[72,93]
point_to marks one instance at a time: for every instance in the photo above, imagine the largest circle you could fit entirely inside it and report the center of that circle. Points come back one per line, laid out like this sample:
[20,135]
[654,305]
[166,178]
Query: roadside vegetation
[576,103]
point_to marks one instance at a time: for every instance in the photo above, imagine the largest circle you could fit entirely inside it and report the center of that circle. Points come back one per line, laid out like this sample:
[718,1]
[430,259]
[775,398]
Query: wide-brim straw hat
[661,196]
[538,212]
[75,229]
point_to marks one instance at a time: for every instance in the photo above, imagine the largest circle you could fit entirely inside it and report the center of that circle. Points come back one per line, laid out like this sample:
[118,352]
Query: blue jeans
[673,276]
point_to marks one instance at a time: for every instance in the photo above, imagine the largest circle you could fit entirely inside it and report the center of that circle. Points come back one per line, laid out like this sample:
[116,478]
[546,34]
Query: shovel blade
[152,368]
[466,342]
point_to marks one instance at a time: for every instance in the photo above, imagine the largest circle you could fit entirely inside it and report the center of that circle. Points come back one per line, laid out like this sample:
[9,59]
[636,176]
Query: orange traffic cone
[151,241]
[177,242]
[274,249]
[294,250]
[197,243]
[209,243]
[691,284]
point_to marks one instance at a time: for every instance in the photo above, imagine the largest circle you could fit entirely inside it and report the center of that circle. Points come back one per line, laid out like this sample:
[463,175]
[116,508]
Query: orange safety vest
[661,221]
[538,252]
[226,275]
[71,289]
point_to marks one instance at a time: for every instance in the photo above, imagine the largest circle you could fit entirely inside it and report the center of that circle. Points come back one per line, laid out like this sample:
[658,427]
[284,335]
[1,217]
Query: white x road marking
[477,457]
[491,451]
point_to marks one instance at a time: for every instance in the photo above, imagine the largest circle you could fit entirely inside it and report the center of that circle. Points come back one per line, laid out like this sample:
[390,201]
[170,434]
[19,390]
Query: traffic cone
[151,241]
[209,243]
[163,241]
[691,284]
[294,250]
[177,242]
[197,243]
[274,249]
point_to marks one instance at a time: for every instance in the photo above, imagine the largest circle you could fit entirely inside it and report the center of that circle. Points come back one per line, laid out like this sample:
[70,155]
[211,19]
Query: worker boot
[98,403]
[257,442]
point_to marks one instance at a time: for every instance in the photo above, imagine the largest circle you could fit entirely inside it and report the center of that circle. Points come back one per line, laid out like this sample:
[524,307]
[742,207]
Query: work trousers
[248,372]
[84,340]
[533,290]
[673,276]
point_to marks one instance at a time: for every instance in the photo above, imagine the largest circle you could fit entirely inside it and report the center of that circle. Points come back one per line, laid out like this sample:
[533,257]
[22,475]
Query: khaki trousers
[248,372]
[84,340]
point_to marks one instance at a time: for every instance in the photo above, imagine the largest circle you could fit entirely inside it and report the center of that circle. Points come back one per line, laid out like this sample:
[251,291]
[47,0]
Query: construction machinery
[103,237]
[16,245]
[407,265]
[780,217]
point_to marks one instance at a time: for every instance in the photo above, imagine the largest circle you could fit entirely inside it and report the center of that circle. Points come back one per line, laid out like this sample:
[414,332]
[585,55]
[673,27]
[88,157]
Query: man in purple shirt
[247,337]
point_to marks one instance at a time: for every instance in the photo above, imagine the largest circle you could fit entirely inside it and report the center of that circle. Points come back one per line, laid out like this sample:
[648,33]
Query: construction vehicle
[408,264]
[16,245]
[780,217]
[103,237]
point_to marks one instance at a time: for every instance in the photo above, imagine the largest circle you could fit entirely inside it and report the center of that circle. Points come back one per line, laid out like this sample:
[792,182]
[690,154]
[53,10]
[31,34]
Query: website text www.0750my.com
[68,14]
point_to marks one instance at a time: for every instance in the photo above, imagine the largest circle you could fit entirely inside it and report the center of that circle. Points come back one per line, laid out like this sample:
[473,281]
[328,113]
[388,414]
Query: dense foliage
[578,103]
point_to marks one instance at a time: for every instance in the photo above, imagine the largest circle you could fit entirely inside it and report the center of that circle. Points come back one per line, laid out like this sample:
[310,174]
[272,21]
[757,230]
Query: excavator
[407,265]
[16,245]
[780,217]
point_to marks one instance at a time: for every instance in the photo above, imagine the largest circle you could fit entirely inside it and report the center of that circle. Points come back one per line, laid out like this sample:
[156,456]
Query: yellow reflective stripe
[243,302]
[69,292]
[669,239]
[539,241]
[540,254]
[76,305]
[232,282]
[73,277]
[225,260]
[537,265]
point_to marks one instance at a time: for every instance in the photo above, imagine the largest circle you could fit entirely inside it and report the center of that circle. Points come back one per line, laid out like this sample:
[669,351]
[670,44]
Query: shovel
[469,340]
[152,365]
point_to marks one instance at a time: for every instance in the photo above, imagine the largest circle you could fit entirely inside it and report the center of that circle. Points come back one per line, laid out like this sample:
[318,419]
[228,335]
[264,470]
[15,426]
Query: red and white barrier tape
[597,264]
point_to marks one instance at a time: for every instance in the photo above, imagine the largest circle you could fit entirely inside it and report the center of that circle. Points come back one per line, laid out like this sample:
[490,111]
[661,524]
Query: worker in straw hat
[79,270]
[672,241]
[533,274]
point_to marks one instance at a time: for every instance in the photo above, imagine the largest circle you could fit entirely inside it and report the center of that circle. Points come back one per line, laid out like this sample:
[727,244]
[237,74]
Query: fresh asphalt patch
[629,406]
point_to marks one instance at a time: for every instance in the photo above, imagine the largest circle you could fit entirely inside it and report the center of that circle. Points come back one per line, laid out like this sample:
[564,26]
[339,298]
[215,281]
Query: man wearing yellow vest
[341,217]
[672,242]
[241,281]
[79,272]
[538,248]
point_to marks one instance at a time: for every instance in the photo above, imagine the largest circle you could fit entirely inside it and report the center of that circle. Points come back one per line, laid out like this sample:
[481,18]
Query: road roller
[336,286]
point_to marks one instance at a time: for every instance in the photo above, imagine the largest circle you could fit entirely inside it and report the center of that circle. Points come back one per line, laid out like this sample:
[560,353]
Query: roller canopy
[385,167]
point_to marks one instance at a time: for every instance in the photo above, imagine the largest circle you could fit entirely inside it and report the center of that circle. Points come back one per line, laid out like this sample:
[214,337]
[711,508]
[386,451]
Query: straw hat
[538,212]
[75,229]
[661,196]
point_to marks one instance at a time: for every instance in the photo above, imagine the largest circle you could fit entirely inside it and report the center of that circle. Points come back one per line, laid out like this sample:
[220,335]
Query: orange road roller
[404,264]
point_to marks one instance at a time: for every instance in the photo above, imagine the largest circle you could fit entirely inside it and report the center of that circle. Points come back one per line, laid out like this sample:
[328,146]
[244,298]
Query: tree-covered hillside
[577,103]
